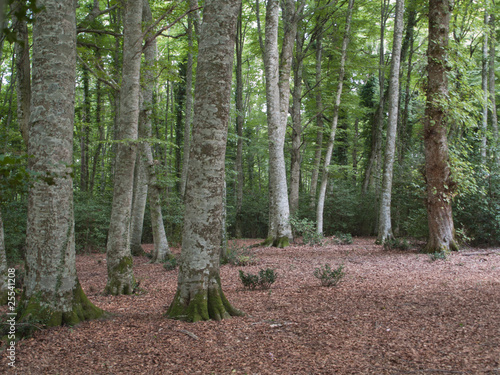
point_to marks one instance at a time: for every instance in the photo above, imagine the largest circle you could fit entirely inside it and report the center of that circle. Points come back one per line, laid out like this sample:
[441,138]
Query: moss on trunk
[207,304]
[119,281]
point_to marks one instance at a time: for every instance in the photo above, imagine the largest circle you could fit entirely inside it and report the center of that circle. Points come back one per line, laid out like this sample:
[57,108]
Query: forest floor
[396,312]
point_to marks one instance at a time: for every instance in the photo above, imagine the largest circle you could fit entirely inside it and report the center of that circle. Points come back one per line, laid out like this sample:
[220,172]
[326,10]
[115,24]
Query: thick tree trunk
[484,88]
[329,148]
[240,118]
[437,170]
[492,86]
[119,258]
[161,250]
[53,295]
[23,72]
[199,294]
[319,123]
[385,221]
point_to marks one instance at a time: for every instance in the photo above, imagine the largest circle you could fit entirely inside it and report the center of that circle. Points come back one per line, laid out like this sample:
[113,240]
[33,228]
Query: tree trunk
[319,123]
[277,96]
[492,86]
[240,118]
[199,293]
[385,221]
[298,63]
[85,132]
[53,296]
[189,105]
[161,250]
[23,72]
[119,258]
[329,148]
[4,290]
[484,88]
[437,170]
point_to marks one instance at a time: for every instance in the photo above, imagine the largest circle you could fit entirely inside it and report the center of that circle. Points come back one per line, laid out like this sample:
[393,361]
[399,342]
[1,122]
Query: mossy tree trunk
[119,258]
[3,267]
[199,295]
[53,295]
[437,169]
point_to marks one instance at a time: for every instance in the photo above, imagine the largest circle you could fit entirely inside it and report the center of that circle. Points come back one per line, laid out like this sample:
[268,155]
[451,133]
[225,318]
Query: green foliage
[170,264]
[396,243]
[92,214]
[14,216]
[438,255]
[263,280]
[329,277]
[342,238]
[238,255]
[307,229]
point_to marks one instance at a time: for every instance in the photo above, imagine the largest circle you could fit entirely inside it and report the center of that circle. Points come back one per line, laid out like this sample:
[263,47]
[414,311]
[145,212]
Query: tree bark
[119,258]
[329,148]
[4,291]
[437,170]
[53,296]
[240,118]
[199,293]
[492,86]
[484,88]
[385,221]
[161,250]
[23,72]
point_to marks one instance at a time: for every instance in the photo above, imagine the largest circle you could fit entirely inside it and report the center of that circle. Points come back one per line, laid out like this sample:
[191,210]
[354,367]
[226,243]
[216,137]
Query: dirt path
[394,313]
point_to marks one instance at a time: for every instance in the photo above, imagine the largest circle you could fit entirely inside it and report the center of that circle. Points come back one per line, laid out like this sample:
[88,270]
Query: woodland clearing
[395,312]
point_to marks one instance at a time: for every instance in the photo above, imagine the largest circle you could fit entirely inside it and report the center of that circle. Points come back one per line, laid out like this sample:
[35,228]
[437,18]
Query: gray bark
[161,250]
[385,225]
[319,123]
[53,294]
[119,258]
[484,87]
[23,72]
[199,293]
[240,118]
[3,267]
[492,86]
[329,148]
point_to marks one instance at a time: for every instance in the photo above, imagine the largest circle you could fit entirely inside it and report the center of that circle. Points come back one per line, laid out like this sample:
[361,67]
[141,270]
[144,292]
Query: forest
[150,147]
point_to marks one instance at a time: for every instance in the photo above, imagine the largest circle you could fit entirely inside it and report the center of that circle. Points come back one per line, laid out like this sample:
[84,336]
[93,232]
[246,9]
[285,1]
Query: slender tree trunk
[385,221]
[298,63]
[161,250]
[100,126]
[240,118]
[85,132]
[492,86]
[319,122]
[189,105]
[4,290]
[329,148]
[199,293]
[53,294]
[119,258]
[23,71]
[440,185]
[484,88]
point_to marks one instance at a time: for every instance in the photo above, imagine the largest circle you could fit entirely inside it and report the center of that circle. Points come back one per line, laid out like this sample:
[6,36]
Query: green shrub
[438,255]
[307,229]
[263,280]
[396,243]
[238,255]
[342,238]
[329,277]
[170,264]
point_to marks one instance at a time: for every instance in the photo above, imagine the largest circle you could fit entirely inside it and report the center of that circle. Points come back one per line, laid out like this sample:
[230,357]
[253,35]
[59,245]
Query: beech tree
[119,258]
[440,184]
[199,293]
[53,294]
[385,221]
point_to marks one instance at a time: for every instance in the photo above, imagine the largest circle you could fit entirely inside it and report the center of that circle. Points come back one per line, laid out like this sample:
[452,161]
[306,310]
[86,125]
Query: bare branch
[110,82]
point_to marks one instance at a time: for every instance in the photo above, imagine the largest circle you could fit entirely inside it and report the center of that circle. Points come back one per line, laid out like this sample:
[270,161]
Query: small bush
[170,264]
[396,243]
[438,255]
[342,238]
[264,280]
[238,256]
[329,277]
[307,229]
